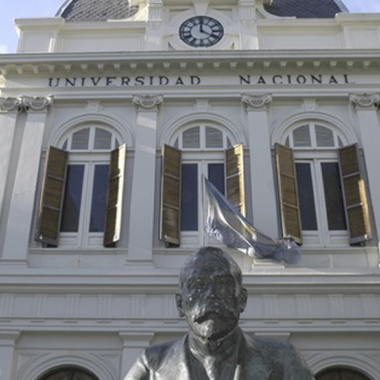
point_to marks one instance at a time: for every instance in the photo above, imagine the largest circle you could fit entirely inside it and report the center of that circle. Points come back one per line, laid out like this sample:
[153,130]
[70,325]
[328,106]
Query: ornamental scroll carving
[365,100]
[147,102]
[10,104]
[37,103]
[25,103]
[256,101]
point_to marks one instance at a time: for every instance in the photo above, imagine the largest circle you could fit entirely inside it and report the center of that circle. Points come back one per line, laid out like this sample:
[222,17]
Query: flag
[226,224]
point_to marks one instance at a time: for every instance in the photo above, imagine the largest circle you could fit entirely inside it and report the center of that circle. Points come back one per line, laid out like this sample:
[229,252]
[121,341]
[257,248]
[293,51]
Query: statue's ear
[243,299]
[179,300]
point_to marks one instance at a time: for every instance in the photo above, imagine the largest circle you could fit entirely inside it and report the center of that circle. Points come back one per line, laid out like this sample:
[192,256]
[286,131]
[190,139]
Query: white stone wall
[97,308]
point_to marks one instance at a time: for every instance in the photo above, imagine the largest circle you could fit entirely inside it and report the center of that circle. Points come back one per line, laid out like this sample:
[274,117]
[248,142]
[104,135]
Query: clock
[201,31]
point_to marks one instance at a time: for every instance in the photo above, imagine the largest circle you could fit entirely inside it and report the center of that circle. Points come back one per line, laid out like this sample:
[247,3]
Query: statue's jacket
[258,359]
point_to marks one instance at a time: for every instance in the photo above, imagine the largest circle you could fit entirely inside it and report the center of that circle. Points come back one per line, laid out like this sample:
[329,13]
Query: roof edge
[63,7]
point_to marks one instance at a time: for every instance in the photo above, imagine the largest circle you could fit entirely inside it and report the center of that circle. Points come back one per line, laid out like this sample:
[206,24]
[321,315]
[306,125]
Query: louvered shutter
[170,196]
[354,195]
[287,189]
[51,200]
[235,186]
[115,196]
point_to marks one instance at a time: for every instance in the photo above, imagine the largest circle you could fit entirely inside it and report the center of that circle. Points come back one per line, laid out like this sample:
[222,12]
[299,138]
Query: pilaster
[248,25]
[262,181]
[144,177]
[9,108]
[155,25]
[8,341]
[367,108]
[23,197]
[133,343]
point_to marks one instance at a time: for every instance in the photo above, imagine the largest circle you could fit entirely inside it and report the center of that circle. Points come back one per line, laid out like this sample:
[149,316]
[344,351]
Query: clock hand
[201,26]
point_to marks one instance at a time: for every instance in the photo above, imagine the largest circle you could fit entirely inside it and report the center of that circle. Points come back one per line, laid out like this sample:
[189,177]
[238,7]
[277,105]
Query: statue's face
[210,300]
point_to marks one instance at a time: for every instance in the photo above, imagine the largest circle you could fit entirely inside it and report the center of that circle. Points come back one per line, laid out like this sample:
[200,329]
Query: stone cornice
[52,64]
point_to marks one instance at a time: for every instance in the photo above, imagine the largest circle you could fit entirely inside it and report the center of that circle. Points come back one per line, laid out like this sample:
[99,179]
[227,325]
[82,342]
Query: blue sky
[48,8]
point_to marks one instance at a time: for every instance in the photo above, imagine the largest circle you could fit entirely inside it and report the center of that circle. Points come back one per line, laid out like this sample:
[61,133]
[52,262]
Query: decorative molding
[337,313]
[147,102]
[37,103]
[365,100]
[10,104]
[256,101]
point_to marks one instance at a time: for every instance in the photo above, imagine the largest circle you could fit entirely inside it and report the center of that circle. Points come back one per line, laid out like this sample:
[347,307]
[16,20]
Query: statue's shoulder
[281,357]
[272,349]
[155,355]
[270,344]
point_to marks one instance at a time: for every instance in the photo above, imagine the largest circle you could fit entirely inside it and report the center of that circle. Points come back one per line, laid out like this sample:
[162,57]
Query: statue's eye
[200,284]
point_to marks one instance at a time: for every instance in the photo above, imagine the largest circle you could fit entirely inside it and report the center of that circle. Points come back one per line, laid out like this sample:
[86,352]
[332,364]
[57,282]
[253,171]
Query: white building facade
[111,112]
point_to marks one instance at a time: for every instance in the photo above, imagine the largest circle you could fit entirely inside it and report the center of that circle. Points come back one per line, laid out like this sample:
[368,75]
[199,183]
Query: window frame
[315,156]
[89,158]
[202,156]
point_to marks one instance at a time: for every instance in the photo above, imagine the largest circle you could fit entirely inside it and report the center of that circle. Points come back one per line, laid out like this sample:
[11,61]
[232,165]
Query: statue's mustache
[208,310]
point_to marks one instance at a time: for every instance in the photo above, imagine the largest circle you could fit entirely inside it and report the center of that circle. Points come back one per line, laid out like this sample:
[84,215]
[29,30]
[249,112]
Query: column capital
[10,104]
[147,102]
[254,102]
[37,103]
[366,101]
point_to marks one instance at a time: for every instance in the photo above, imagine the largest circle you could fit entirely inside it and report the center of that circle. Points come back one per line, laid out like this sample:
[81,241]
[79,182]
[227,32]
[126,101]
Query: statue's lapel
[176,365]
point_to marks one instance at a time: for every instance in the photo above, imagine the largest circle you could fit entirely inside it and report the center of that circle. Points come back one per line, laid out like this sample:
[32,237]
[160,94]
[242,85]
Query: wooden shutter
[235,186]
[170,218]
[115,196]
[287,189]
[354,195]
[51,200]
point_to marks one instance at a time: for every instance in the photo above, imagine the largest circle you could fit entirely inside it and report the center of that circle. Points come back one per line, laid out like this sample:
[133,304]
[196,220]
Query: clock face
[201,31]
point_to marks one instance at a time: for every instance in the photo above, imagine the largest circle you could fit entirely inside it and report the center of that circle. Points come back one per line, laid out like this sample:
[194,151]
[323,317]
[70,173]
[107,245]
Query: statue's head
[211,295]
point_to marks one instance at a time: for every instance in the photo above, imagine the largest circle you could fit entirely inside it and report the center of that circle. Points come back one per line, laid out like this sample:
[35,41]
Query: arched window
[199,149]
[83,189]
[327,195]
[341,374]
[71,373]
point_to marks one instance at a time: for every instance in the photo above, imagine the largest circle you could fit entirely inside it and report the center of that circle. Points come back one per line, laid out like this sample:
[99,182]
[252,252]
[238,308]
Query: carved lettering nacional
[365,100]
[10,104]
[147,102]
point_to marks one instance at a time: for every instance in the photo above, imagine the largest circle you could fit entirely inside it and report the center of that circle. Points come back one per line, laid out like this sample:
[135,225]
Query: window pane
[306,197]
[191,138]
[214,138]
[189,198]
[216,176]
[103,139]
[99,198]
[333,195]
[80,139]
[325,136]
[301,136]
[73,198]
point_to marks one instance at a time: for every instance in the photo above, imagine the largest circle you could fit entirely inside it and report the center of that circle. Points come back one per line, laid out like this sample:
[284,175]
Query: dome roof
[304,8]
[96,10]
[102,10]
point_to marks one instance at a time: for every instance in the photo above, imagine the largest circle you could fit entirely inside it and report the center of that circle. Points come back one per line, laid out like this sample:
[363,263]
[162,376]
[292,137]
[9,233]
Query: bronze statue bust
[211,298]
